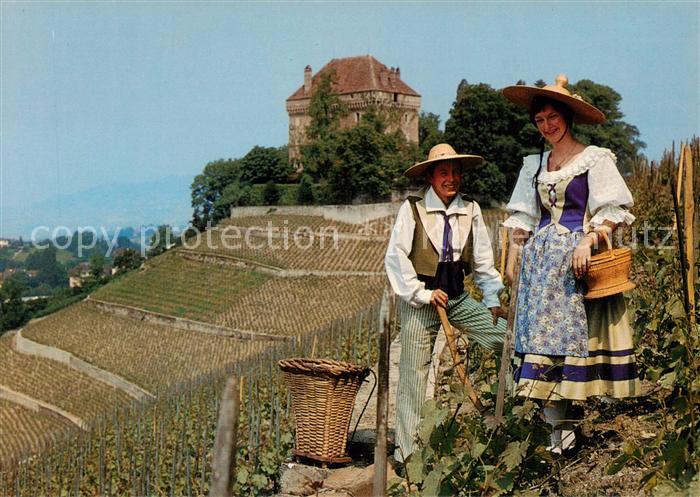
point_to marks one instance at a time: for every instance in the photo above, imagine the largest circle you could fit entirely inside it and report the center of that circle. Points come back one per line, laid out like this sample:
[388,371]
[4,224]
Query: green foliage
[265,164]
[429,132]
[483,122]
[668,350]
[668,355]
[51,272]
[162,240]
[271,194]
[305,193]
[617,135]
[97,266]
[208,189]
[13,312]
[126,260]
[364,160]
[325,110]
[470,454]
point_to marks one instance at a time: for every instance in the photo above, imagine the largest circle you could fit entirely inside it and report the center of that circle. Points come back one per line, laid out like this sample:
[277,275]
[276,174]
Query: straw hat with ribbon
[442,152]
[584,113]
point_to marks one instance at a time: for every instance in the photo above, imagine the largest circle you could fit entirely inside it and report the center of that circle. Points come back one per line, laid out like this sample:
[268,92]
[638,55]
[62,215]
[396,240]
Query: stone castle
[360,82]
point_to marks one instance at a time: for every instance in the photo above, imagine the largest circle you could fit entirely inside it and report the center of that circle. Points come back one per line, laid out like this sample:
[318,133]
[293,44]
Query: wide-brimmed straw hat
[442,152]
[584,113]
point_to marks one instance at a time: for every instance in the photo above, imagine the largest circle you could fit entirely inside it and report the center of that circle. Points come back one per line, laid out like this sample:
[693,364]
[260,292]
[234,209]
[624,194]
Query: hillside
[186,314]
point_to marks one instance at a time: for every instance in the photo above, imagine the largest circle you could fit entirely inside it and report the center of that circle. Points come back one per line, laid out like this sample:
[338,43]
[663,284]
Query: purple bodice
[564,203]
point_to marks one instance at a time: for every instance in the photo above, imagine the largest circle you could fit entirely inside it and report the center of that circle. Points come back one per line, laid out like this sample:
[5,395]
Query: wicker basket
[609,271]
[323,395]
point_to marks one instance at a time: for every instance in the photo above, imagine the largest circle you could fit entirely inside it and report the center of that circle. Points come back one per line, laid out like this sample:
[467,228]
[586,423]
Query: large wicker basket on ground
[609,271]
[323,395]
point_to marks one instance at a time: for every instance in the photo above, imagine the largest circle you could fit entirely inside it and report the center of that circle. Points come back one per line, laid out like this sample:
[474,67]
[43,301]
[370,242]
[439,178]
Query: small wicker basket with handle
[609,271]
[323,395]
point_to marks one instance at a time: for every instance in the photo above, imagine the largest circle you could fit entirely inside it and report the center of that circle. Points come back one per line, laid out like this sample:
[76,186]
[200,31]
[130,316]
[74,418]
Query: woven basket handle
[607,241]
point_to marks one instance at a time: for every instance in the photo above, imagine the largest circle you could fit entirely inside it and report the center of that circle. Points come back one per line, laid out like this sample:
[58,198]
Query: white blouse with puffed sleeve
[608,196]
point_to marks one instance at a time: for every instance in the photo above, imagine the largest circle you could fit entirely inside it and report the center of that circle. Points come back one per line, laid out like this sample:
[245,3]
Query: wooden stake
[503,372]
[380,447]
[679,179]
[226,442]
[689,222]
[504,249]
[459,365]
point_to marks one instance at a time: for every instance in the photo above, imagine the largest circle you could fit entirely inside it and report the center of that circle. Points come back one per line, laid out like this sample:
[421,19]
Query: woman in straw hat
[566,348]
[439,236]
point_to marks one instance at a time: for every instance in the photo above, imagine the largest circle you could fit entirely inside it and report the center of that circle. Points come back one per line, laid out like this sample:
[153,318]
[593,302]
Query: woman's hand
[581,259]
[511,261]
[438,298]
[519,236]
[517,239]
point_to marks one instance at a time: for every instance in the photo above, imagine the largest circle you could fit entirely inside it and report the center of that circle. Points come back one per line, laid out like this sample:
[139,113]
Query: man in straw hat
[439,237]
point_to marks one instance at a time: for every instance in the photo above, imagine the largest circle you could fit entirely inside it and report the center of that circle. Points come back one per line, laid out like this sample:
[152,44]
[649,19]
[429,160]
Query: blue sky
[95,93]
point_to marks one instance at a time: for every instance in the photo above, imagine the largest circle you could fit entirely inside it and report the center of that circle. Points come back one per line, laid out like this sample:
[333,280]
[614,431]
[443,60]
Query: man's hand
[498,312]
[438,298]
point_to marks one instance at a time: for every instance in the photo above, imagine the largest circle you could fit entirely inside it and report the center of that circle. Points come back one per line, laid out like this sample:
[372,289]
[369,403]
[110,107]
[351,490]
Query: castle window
[357,117]
[396,97]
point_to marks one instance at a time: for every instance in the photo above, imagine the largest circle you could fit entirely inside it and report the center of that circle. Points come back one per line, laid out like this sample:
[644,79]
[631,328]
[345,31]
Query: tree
[429,132]
[127,259]
[162,240]
[263,164]
[51,272]
[617,135]
[208,189]
[97,266]
[305,193]
[483,122]
[325,110]
[271,193]
[367,161]
[13,312]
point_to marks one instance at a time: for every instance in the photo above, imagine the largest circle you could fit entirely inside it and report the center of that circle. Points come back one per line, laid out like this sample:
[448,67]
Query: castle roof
[358,74]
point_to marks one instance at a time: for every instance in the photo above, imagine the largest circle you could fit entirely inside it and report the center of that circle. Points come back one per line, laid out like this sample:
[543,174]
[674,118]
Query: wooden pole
[459,365]
[689,222]
[679,179]
[504,249]
[681,246]
[380,446]
[508,340]
[226,442]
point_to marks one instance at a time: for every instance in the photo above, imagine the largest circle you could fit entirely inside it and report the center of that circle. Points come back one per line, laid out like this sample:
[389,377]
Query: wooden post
[380,446]
[679,179]
[459,364]
[508,340]
[504,249]
[226,442]
[689,224]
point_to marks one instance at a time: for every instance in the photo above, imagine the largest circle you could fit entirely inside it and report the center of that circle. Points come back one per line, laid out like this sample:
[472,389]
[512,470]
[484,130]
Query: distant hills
[164,201]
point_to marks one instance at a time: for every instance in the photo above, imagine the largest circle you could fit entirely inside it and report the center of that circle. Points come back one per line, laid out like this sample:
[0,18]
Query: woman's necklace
[556,165]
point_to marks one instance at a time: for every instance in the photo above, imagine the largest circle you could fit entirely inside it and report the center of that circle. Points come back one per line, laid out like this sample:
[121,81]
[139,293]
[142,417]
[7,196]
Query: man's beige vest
[424,255]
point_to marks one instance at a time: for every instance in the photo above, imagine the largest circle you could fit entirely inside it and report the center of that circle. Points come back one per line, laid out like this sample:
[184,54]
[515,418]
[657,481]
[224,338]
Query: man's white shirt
[400,270]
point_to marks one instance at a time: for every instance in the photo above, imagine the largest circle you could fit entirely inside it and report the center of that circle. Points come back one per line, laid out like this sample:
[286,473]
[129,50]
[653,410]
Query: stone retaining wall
[352,214]
[227,260]
[40,406]
[180,323]
[30,347]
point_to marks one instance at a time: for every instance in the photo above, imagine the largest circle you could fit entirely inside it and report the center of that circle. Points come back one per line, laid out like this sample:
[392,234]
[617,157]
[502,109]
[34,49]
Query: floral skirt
[549,363]
[550,317]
